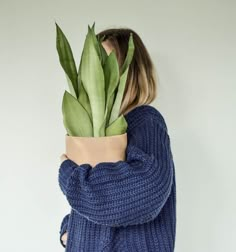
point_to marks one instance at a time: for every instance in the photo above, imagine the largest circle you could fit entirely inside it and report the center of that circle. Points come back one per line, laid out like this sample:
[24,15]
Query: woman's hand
[64,238]
[63,157]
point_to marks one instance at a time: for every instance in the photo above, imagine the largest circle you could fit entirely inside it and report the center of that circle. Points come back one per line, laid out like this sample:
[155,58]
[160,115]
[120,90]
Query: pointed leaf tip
[93,26]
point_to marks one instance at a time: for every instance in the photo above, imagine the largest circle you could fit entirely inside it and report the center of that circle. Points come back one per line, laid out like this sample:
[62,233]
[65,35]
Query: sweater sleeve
[63,228]
[124,192]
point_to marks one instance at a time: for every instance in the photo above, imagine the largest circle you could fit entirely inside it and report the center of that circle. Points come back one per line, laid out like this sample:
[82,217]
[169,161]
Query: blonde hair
[141,84]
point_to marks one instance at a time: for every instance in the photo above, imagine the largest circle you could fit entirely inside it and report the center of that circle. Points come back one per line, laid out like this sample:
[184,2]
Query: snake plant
[91,107]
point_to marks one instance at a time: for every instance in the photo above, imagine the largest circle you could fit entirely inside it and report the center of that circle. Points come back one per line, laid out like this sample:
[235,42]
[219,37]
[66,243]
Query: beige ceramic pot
[93,150]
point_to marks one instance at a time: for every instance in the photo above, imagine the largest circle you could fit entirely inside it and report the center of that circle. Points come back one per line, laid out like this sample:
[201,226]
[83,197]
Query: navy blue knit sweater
[124,206]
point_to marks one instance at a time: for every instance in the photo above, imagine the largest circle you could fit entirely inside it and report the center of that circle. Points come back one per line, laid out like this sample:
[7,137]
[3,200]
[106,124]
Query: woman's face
[107,46]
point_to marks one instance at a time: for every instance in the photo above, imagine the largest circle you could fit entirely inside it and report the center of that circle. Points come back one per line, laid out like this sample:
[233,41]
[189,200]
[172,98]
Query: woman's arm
[63,230]
[125,192]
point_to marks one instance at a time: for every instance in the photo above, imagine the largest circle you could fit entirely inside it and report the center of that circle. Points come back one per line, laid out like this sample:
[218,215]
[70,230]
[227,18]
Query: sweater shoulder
[143,114]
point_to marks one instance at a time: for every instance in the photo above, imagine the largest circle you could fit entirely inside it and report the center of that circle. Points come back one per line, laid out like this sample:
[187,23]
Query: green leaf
[110,106]
[95,41]
[129,55]
[75,117]
[92,77]
[111,73]
[84,100]
[67,60]
[123,78]
[119,126]
[119,96]
[70,85]
[83,96]
[102,54]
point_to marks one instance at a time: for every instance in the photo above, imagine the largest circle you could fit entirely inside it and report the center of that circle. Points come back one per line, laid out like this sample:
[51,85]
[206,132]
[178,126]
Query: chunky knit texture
[124,206]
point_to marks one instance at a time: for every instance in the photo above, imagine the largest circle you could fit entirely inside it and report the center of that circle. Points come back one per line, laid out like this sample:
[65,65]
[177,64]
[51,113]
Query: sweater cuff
[63,228]
[66,170]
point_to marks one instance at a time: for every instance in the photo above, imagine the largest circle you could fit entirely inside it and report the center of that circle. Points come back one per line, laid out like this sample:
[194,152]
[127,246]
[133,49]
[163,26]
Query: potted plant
[95,130]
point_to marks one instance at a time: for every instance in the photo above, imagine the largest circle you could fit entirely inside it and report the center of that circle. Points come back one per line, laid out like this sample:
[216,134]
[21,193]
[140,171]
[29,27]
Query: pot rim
[92,137]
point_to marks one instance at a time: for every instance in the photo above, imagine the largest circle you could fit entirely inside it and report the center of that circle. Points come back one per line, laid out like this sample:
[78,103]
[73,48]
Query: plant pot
[94,150]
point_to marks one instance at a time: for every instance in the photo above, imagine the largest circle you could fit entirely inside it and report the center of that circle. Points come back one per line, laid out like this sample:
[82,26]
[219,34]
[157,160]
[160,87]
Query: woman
[127,205]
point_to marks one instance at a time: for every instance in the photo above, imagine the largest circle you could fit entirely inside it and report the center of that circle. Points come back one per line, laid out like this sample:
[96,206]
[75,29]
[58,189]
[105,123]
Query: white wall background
[193,46]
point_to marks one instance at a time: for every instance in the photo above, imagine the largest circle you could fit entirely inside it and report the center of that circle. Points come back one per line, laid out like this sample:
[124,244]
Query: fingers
[64,238]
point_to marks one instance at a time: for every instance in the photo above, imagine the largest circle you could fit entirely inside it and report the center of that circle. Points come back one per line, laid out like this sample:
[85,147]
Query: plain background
[192,44]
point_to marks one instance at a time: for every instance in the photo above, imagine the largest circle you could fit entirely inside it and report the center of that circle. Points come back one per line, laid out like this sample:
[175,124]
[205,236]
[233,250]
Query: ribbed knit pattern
[124,206]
